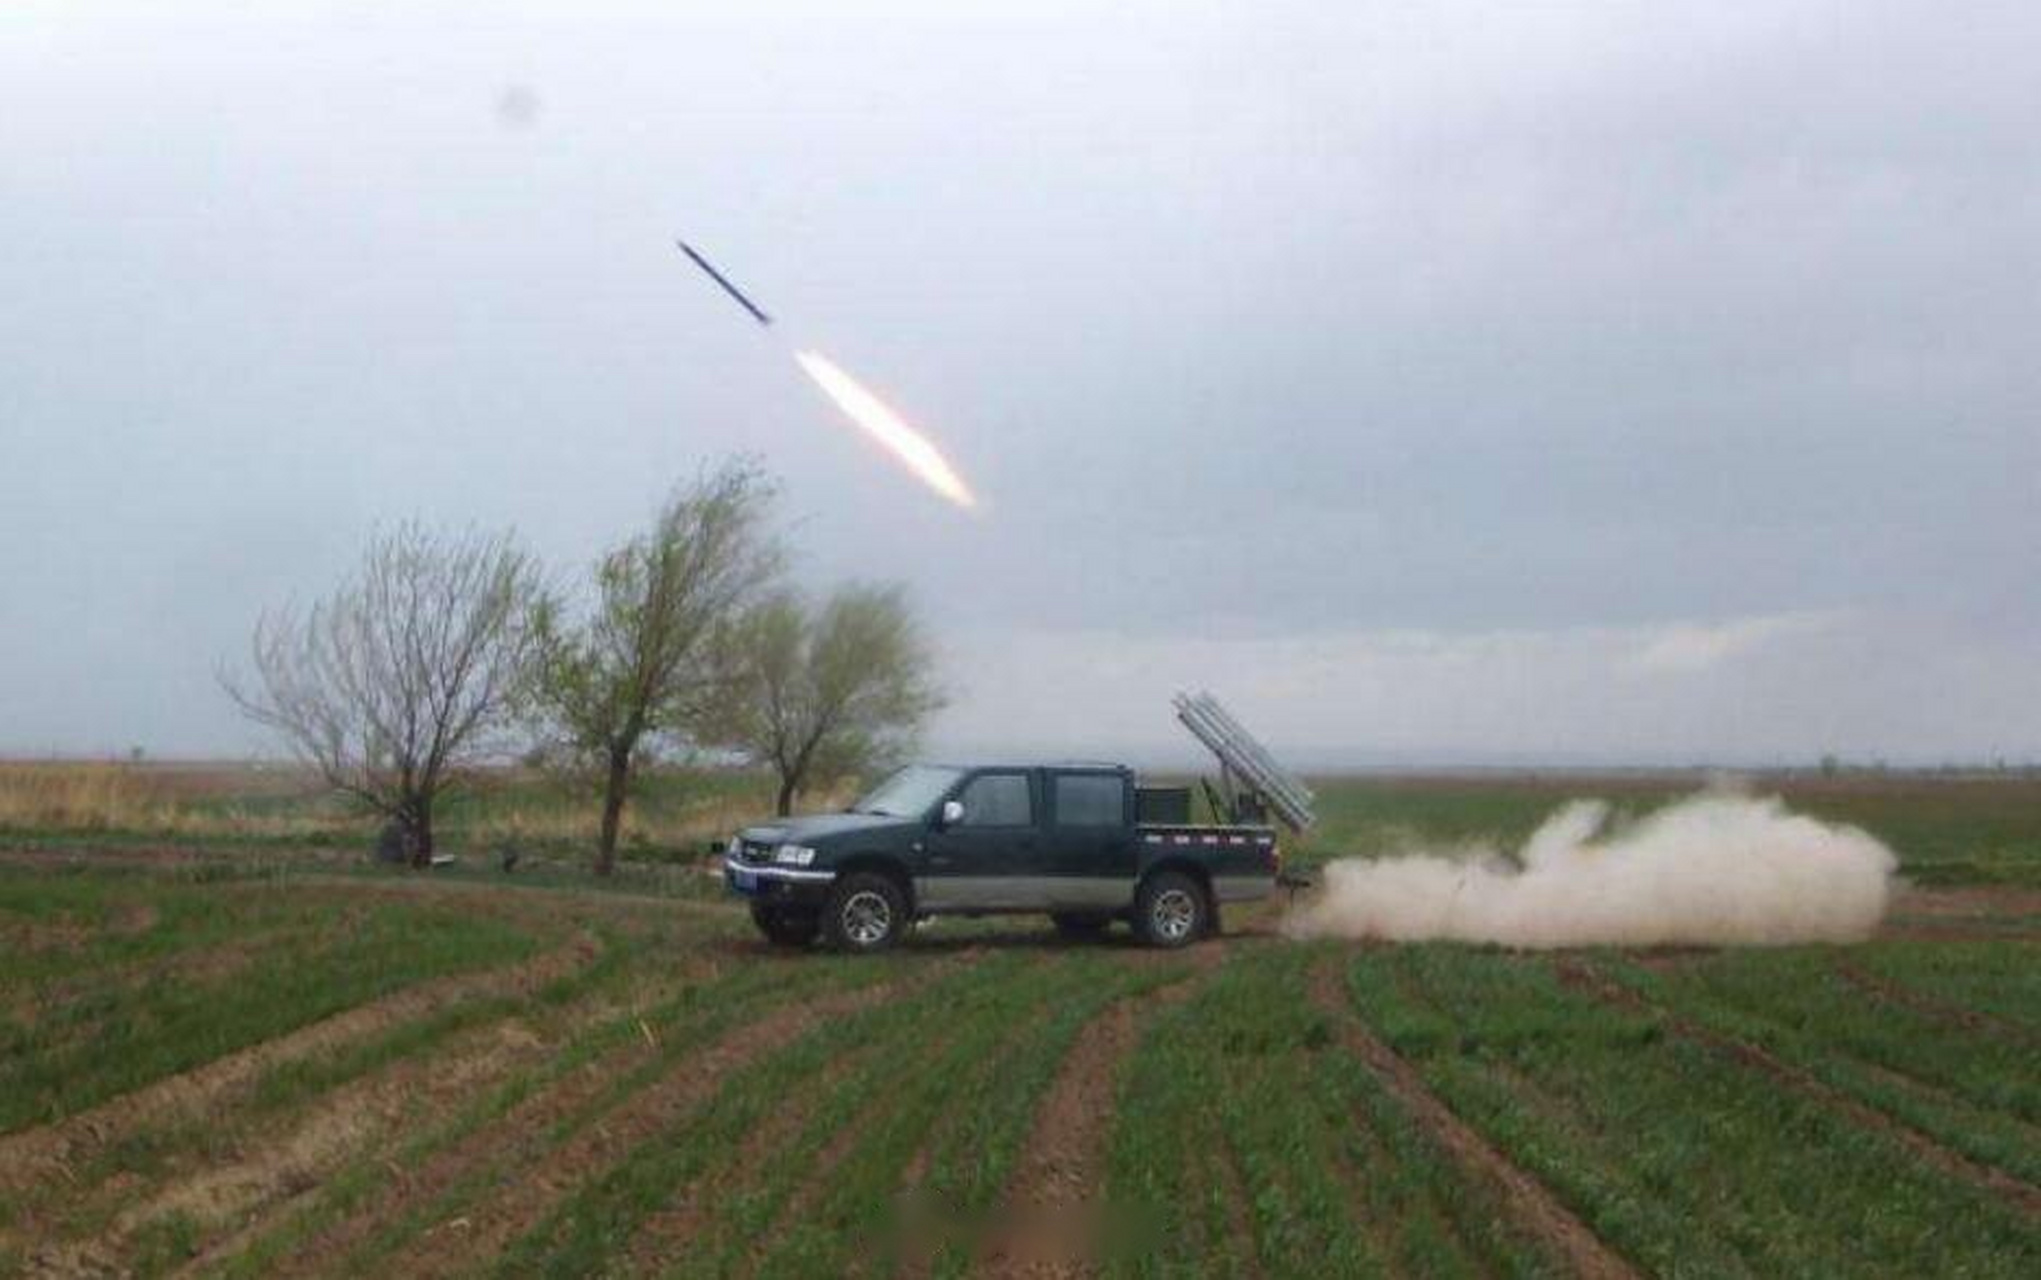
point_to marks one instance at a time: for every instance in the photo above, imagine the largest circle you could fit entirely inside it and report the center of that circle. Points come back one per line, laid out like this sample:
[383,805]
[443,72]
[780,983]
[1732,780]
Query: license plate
[743,881]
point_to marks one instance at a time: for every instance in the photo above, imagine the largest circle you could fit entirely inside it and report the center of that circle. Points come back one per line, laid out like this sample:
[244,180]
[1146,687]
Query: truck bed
[1207,835]
[1243,861]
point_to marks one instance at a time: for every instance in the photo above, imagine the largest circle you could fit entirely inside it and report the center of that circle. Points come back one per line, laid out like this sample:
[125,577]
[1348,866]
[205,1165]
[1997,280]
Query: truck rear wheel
[784,927]
[866,912]
[1171,910]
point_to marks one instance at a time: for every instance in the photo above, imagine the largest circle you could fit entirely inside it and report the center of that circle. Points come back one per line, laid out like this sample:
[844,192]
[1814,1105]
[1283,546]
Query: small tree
[830,692]
[649,658]
[397,680]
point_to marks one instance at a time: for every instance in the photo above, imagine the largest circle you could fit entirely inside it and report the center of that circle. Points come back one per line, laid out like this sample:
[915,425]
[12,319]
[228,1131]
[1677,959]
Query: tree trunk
[418,822]
[614,790]
[793,772]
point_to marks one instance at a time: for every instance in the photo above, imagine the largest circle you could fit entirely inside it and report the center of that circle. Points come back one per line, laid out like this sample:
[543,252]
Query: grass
[625,1050]
[1244,1136]
[184,985]
[1971,1088]
[1683,1156]
[582,1235]
[1984,978]
[1242,1110]
[675,812]
[671,1031]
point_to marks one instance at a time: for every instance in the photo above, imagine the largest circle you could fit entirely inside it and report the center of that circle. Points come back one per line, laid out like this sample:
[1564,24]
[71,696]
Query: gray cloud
[1266,332]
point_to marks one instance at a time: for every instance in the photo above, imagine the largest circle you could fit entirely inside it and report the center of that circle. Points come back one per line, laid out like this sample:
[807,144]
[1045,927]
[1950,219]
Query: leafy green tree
[648,655]
[832,691]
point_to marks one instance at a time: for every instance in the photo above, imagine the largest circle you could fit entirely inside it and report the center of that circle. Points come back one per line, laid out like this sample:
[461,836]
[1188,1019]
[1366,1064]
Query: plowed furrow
[666,1234]
[35,1155]
[1052,1206]
[1894,993]
[284,1167]
[2023,1195]
[1534,1205]
[478,1144]
[531,1193]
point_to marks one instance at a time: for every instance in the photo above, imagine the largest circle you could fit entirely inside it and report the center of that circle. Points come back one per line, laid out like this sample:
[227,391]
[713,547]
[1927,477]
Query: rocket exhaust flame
[882,424]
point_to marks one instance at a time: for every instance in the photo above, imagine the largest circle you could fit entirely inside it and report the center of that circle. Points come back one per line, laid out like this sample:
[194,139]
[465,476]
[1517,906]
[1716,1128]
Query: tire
[1171,910]
[785,928]
[867,912]
[1078,925]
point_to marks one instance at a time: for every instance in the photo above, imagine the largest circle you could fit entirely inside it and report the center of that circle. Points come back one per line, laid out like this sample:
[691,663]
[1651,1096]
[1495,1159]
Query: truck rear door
[1090,838]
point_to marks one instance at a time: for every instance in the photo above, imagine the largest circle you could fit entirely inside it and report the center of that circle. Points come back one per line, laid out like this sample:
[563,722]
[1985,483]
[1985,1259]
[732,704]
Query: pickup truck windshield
[909,793]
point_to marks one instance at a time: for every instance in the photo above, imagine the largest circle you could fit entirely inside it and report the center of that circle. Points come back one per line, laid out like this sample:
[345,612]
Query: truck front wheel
[784,927]
[866,912]
[1171,910]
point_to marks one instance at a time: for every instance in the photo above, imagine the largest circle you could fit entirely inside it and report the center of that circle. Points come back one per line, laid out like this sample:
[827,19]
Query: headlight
[734,848]
[795,855]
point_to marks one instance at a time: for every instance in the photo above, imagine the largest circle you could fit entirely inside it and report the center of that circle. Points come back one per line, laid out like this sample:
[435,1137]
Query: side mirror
[952,814]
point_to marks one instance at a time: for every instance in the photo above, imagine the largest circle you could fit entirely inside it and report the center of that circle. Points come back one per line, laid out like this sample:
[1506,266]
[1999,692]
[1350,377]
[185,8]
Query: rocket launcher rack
[1251,775]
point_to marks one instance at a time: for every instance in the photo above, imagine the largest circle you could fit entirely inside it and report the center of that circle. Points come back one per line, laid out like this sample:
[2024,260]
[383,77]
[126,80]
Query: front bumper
[770,882]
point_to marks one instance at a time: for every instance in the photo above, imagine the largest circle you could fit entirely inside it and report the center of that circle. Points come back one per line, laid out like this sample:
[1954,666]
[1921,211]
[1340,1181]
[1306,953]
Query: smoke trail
[1711,869]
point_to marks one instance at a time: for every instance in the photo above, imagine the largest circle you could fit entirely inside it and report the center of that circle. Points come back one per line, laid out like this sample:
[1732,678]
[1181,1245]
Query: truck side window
[1090,800]
[998,800]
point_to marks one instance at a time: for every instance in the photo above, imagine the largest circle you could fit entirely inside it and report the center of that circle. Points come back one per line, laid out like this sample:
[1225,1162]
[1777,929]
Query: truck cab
[1063,840]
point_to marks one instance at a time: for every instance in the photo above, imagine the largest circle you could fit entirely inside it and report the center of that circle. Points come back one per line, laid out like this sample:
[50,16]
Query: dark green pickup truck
[1062,840]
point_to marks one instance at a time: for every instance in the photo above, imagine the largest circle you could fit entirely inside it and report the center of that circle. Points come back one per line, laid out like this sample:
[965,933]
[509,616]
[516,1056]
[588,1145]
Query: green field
[250,1061]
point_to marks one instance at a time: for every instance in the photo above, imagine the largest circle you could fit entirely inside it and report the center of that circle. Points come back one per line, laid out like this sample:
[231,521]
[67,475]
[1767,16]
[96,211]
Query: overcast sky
[1432,381]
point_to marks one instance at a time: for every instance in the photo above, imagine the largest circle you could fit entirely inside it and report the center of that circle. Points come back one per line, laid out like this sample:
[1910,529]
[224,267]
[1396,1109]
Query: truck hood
[812,828]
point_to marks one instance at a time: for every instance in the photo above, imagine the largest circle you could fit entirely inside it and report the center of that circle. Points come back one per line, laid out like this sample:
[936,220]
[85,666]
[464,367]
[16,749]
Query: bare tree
[399,678]
[650,657]
[830,692]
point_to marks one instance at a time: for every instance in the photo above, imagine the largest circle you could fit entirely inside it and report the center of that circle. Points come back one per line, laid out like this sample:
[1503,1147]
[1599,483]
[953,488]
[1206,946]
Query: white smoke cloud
[1711,869]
